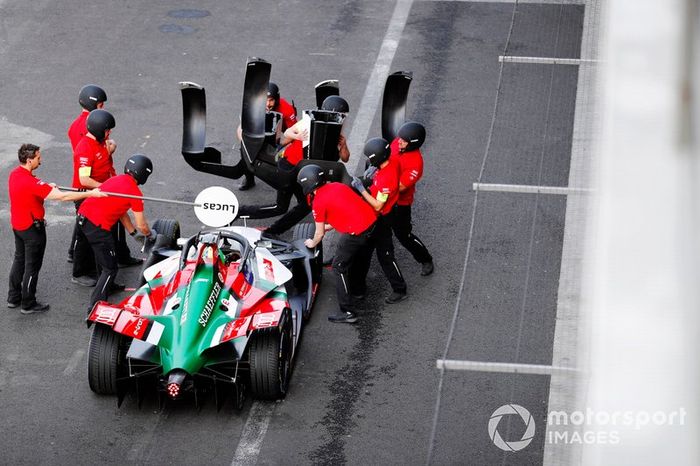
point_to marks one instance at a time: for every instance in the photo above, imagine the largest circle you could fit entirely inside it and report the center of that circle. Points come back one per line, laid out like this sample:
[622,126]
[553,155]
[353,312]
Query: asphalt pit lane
[177,29]
[188,13]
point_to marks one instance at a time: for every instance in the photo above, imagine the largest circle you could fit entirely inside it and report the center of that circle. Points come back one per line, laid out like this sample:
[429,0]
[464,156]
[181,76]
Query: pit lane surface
[359,395]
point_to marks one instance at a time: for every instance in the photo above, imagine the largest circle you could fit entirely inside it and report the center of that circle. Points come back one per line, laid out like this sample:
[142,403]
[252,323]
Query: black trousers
[381,241]
[30,245]
[400,218]
[122,249]
[102,243]
[123,252]
[281,206]
[349,278]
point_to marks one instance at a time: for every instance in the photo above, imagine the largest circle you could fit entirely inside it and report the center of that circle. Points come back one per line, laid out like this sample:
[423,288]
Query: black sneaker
[427,268]
[395,297]
[12,305]
[343,318]
[84,281]
[70,259]
[247,183]
[130,261]
[37,307]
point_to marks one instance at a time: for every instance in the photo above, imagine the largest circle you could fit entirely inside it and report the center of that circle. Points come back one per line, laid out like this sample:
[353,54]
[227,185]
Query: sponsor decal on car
[209,307]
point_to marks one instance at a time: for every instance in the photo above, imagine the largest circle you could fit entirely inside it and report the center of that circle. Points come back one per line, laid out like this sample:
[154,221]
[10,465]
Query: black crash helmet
[310,177]
[91,95]
[98,122]
[413,133]
[377,151]
[335,103]
[140,167]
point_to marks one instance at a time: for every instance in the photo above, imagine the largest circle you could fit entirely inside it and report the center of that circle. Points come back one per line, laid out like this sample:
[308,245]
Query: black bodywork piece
[258,127]
[394,103]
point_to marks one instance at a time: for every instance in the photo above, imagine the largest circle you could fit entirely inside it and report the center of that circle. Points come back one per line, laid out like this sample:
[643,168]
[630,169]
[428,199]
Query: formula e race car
[219,312]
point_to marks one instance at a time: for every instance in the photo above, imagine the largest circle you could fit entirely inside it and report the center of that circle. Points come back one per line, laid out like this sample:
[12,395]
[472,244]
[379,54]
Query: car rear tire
[270,355]
[106,360]
[306,231]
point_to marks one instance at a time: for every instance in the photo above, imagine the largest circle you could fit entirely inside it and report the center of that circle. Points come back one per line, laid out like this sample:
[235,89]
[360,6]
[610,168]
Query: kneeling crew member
[382,196]
[335,205]
[27,194]
[290,156]
[96,218]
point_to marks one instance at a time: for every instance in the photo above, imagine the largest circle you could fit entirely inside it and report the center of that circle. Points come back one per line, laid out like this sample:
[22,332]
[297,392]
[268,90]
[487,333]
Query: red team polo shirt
[410,171]
[385,186]
[342,208]
[27,194]
[293,152]
[289,114]
[94,158]
[78,129]
[106,211]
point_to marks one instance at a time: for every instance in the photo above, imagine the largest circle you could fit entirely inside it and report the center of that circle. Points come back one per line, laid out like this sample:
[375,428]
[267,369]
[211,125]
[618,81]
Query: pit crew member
[405,149]
[97,217]
[27,194]
[337,206]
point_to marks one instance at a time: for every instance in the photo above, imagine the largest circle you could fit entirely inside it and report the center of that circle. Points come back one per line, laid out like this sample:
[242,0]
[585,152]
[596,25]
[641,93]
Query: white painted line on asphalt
[543,60]
[563,388]
[52,215]
[527,189]
[258,420]
[136,454]
[504,367]
[74,361]
[375,86]
[253,434]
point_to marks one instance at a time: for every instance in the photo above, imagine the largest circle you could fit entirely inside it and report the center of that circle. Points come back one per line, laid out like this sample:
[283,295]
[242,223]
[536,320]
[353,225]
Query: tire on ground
[306,231]
[106,359]
[170,229]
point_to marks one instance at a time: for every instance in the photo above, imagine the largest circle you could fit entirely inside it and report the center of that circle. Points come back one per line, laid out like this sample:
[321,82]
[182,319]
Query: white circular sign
[217,206]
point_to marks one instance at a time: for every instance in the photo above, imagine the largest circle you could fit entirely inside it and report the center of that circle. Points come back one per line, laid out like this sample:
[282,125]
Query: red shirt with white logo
[289,113]
[385,186]
[410,171]
[106,211]
[342,208]
[78,129]
[27,194]
[92,159]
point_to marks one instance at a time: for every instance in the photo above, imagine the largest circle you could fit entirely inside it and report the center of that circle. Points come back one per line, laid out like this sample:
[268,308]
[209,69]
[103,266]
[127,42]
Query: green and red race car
[219,311]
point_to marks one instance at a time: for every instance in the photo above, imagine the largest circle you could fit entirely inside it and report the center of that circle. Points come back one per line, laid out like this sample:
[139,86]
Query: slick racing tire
[306,231]
[106,360]
[170,229]
[168,233]
[270,355]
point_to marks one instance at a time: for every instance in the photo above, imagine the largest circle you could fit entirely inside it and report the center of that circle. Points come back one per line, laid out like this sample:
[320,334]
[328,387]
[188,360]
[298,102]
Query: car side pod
[394,103]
